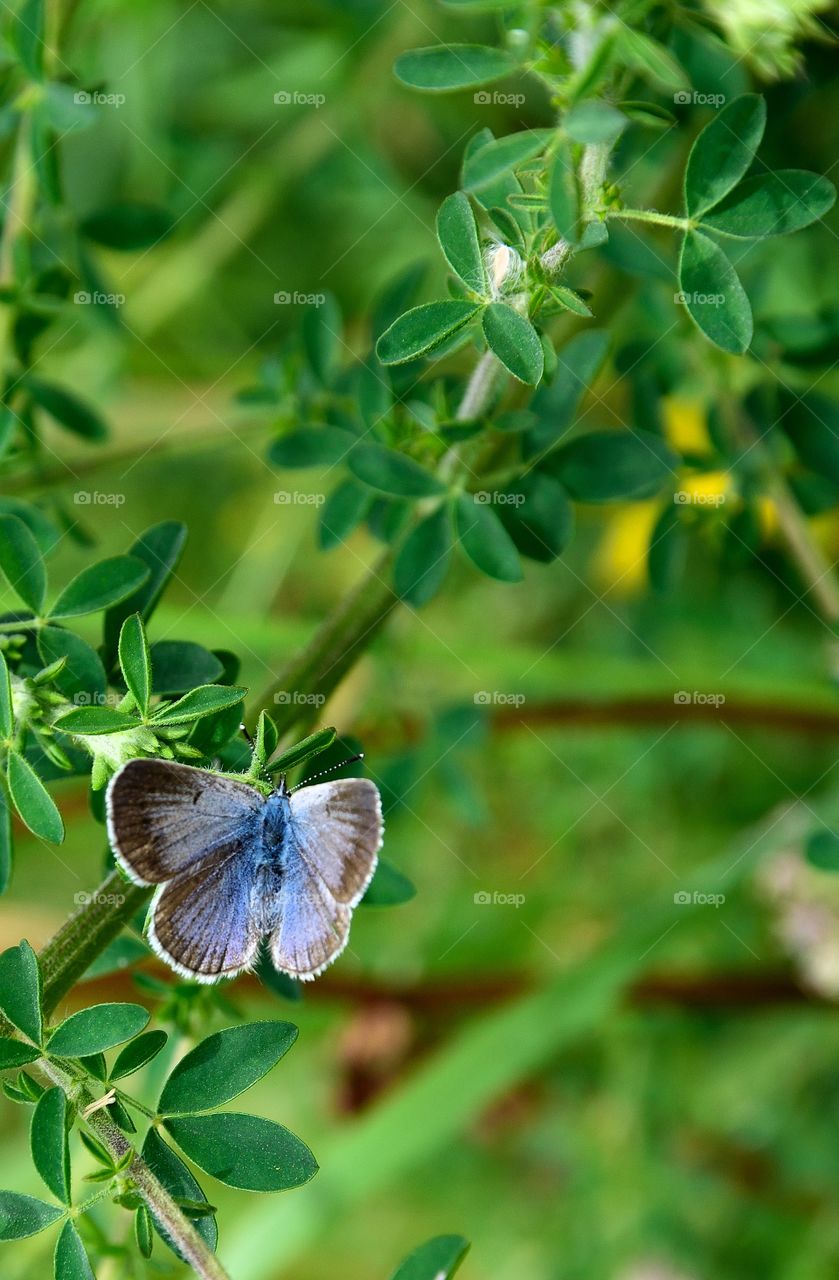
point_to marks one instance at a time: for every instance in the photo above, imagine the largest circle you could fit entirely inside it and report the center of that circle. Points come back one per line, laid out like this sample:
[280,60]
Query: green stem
[650,215]
[192,1247]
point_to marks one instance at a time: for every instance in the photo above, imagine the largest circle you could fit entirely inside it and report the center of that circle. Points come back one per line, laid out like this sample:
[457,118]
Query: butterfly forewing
[164,818]
[336,830]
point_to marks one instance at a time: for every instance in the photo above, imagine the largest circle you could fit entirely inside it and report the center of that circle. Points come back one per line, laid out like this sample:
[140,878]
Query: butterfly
[234,867]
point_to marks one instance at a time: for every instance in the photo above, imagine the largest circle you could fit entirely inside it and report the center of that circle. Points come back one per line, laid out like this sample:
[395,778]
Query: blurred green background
[591,1081]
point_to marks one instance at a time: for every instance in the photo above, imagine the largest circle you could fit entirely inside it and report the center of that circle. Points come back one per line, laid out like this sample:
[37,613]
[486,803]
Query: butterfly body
[235,867]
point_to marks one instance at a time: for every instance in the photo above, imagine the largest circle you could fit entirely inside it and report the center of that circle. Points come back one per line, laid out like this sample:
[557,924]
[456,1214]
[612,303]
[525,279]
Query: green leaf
[22,1216]
[457,232]
[224,1065]
[27,36]
[71,1260]
[513,339]
[89,721]
[441,68]
[136,1054]
[557,404]
[772,204]
[391,472]
[538,516]
[311,447]
[95,1029]
[423,328]
[161,548]
[322,340]
[180,665]
[343,511]
[812,424]
[99,586]
[82,674]
[14,1053]
[135,661]
[5,841]
[570,300]
[485,540]
[650,58]
[244,1151]
[203,701]
[302,751]
[21,562]
[610,466]
[594,121]
[723,152]
[389,887]
[500,156]
[20,990]
[127,225]
[563,197]
[48,1138]
[437,1259]
[711,291]
[7,719]
[67,409]
[142,1231]
[822,849]
[423,559]
[33,802]
[169,1169]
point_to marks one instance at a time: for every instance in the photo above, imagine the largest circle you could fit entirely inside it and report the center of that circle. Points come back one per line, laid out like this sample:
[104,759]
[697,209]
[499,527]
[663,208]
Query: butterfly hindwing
[202,922]
[164,818]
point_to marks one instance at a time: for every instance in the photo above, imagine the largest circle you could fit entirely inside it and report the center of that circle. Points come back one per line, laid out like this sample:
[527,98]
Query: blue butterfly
[234,867]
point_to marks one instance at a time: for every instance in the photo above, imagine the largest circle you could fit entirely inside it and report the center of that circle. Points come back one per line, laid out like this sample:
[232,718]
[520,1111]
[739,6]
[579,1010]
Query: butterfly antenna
[332,769]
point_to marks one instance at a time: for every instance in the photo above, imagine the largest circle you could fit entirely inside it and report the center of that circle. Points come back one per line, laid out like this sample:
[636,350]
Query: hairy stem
[192,1247]
[650,215]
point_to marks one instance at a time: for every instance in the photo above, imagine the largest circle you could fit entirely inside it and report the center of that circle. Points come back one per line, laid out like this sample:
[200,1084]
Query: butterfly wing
[164,818]
[202,923]
[330,853]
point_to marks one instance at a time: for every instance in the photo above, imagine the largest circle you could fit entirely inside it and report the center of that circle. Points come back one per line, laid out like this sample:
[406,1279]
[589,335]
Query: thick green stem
[192,1247]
